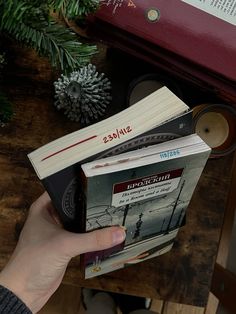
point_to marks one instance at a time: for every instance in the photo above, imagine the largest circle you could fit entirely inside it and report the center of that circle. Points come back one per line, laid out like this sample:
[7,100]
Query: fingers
[72,244]
[42,202]
[44,208]
[75,244]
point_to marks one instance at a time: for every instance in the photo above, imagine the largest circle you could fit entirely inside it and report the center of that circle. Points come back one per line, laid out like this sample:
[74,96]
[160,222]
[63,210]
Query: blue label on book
[170,154]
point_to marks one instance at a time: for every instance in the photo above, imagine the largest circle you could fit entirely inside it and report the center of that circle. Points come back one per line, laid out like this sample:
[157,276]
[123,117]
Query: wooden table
[184,274]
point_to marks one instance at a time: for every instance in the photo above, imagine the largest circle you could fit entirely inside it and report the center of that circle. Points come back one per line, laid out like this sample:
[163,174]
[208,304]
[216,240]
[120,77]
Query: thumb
[75,244]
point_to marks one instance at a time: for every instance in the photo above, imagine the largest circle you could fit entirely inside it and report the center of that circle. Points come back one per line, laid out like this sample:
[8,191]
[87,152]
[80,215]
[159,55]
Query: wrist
[10,303]
[17,284]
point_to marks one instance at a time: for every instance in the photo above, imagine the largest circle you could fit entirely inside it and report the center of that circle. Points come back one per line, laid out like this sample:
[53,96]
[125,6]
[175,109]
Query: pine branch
[73,8]
[31,24]
[56,42]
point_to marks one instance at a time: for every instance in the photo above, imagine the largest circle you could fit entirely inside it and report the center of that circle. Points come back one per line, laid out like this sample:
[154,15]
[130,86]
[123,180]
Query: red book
[197,36]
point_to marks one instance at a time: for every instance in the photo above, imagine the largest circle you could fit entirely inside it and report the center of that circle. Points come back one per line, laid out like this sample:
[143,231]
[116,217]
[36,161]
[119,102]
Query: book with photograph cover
[161,116]
[178,36]
[147,191]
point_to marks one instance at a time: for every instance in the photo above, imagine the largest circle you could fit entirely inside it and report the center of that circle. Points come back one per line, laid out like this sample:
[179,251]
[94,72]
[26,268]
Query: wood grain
[226,233]
[174,308]
[66,300]
[157,306]
[224,287]
[184,274]
[227,228]
[212,304]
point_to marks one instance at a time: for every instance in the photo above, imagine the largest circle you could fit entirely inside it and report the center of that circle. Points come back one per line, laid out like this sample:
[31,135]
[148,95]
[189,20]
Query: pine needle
[30,22]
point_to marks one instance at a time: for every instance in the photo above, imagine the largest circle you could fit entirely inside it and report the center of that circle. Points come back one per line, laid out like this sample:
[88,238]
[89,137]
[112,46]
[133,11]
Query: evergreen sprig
[30,22]
[72,9]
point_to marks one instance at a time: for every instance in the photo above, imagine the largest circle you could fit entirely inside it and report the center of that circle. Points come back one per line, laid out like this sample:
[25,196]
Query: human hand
[44,250]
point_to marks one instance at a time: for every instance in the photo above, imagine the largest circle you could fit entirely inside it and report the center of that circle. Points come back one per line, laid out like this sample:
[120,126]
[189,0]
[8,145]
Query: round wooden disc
[213,128]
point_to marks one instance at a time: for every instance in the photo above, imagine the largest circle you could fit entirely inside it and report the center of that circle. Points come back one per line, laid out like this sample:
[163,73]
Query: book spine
[83,202]
[165,60]
[65,191]
[168,26]
[83,215]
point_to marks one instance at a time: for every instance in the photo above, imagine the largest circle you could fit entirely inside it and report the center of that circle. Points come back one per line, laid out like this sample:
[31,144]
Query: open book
[178,36]
[159,117]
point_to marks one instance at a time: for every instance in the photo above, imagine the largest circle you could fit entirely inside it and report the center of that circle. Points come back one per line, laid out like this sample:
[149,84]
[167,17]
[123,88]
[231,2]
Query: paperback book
[161,116]
[147,191]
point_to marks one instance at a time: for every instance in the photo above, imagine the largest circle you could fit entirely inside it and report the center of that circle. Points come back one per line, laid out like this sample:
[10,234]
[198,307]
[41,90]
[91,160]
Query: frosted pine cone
[83,95]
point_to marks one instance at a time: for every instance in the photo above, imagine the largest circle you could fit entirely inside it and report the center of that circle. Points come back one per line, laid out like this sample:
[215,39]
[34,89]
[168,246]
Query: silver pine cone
[83,95]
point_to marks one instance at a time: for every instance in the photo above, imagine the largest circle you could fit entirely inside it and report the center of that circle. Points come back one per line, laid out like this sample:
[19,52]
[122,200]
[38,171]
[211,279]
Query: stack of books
[138,169]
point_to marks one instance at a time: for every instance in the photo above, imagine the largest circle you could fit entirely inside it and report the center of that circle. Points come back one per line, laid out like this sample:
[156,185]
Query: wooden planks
[157,306]
[227,228]
[66,300]
[224,287]
[174,308]
[212,304]
[226,233]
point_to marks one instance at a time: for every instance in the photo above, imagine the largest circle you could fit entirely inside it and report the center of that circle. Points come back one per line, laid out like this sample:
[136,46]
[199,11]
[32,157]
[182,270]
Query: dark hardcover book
[147,191]
[159,117]
[184,34]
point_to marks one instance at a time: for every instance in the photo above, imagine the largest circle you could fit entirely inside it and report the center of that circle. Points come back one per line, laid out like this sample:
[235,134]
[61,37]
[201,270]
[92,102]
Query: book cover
[158,117]
[147,191]
[191,39]
[191,29]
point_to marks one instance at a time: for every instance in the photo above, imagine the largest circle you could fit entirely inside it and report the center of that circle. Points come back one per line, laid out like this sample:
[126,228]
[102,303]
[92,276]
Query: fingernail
[118,236]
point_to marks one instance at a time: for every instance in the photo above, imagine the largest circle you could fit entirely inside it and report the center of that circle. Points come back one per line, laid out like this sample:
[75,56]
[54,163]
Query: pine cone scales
[83,95]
